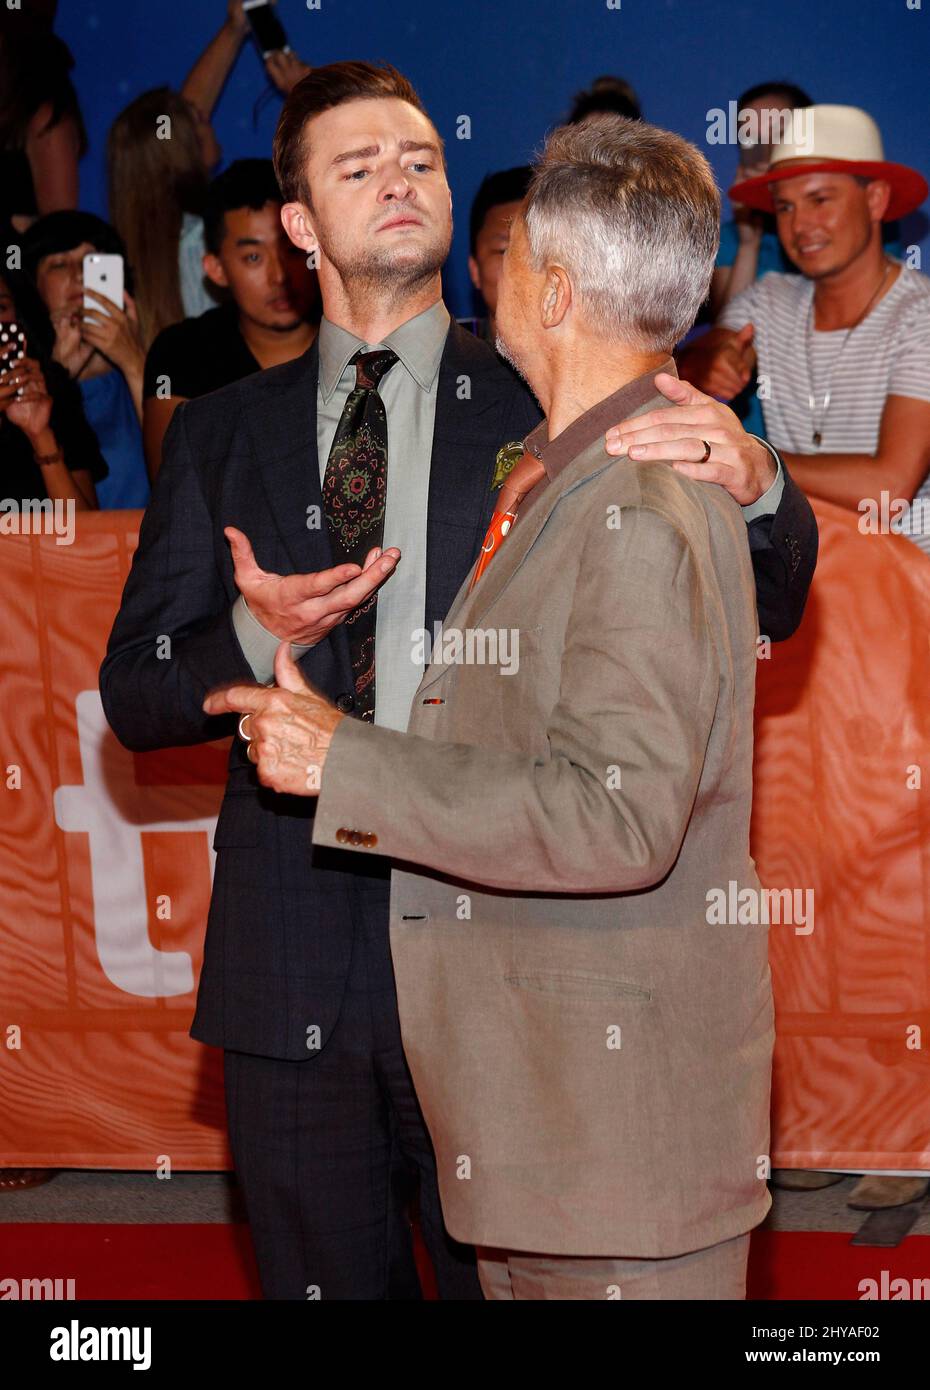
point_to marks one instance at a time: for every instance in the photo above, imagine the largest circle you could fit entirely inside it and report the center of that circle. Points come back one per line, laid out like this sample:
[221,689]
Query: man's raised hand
[720,362]
[303,608]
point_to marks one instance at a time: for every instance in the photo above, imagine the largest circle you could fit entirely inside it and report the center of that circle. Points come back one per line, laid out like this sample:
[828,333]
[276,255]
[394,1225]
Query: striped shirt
[888,353]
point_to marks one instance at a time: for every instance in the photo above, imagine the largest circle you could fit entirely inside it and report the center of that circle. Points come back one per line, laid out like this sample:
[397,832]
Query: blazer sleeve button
[369,840]
[342,836]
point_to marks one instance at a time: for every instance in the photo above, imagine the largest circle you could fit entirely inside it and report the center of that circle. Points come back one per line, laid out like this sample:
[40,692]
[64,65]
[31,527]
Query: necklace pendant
[816,437]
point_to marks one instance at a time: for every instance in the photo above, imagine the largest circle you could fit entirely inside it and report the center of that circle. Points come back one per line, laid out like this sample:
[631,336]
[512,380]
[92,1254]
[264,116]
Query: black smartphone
[267,29]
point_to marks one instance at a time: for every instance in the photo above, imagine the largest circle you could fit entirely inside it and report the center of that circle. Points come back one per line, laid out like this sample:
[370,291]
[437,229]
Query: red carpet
[132,1261]
[215,1261]
[823,1264]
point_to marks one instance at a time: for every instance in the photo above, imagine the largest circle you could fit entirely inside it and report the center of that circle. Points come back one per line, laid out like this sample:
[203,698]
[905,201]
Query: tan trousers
[717,1272]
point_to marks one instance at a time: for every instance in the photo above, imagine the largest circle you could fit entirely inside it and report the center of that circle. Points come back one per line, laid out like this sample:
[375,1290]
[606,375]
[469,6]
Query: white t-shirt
[887,354]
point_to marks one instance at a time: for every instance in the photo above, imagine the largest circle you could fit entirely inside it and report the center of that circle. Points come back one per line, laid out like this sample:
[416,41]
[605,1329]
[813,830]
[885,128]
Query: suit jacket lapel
[465,445]
[282,432]
[469,608]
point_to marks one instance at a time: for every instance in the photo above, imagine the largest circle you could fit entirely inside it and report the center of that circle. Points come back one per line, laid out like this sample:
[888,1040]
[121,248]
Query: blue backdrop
[512,67]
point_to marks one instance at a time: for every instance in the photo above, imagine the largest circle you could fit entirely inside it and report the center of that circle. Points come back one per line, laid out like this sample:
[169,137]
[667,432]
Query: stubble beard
[379,272]
[511,357]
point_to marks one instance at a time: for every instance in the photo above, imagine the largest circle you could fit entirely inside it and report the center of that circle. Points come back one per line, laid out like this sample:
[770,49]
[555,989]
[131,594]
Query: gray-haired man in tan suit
[591,1053]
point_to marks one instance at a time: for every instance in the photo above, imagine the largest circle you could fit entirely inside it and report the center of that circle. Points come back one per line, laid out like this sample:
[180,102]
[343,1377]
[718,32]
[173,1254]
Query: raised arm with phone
[43,433]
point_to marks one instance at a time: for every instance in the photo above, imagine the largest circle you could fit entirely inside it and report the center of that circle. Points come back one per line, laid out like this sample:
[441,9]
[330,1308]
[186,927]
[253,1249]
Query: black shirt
[199,355]
[20,475]
[17,191]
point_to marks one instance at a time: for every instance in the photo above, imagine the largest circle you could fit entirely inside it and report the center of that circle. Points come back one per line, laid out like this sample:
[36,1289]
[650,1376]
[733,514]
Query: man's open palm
[303,608]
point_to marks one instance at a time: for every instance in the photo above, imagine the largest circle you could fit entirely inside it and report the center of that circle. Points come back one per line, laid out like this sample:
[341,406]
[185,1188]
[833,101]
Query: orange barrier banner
[841,820]
[105,866]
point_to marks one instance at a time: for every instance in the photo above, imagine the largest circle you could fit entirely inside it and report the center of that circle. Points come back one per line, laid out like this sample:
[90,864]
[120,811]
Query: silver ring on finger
[246,738]
[706,454]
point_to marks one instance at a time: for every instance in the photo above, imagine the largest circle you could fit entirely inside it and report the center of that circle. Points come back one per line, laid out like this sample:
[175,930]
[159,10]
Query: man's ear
[878,195]
[296,221]
[213,269]
[473,272]
[556,297]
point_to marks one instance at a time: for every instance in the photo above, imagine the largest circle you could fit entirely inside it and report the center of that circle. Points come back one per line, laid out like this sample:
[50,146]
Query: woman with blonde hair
[158,178]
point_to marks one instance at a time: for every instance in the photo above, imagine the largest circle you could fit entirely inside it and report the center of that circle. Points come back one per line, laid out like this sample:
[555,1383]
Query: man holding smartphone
[281,512]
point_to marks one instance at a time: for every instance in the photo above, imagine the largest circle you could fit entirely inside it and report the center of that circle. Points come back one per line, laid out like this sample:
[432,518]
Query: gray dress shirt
[408,391]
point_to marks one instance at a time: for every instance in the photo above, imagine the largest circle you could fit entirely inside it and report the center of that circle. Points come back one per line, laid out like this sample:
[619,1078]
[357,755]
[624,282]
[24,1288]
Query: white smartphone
[105,275]
[267,29]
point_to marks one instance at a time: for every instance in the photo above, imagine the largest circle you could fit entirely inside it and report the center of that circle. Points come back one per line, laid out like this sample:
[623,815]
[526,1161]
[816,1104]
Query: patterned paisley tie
[354,493]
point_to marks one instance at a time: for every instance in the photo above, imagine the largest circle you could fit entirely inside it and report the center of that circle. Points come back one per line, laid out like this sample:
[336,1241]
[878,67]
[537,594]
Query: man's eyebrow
[370,151]
[407,145]
[248,241]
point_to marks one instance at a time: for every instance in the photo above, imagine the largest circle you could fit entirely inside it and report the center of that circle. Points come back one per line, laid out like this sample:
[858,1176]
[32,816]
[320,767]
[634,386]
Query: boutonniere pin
[507,456]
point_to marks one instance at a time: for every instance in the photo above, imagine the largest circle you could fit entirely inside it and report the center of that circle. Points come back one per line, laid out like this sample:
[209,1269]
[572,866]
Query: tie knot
[522,478]
[370,367]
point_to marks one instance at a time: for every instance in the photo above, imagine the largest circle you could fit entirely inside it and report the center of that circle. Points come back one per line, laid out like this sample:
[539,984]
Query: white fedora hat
[833,139]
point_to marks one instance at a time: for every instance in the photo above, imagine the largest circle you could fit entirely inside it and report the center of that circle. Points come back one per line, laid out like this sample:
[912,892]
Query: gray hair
[632,213]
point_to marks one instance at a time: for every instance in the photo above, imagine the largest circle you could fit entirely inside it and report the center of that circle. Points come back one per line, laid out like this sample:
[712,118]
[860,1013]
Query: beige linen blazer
[591,1053]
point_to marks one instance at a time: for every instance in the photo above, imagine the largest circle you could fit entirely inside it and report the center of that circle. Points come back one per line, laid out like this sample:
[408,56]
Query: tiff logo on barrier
[115,812]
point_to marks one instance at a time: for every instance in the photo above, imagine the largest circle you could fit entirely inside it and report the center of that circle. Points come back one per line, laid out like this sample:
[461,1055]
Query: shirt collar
[594,423]
[418,343]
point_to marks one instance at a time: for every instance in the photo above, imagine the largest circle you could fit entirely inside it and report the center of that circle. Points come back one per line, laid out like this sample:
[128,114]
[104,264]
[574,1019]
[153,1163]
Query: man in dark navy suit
[336,503]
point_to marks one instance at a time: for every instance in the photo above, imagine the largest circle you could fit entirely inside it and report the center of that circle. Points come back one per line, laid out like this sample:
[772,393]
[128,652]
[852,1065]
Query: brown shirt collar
[594,423]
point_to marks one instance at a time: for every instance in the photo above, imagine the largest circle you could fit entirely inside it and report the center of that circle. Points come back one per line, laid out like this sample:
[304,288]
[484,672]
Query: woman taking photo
[47,447]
